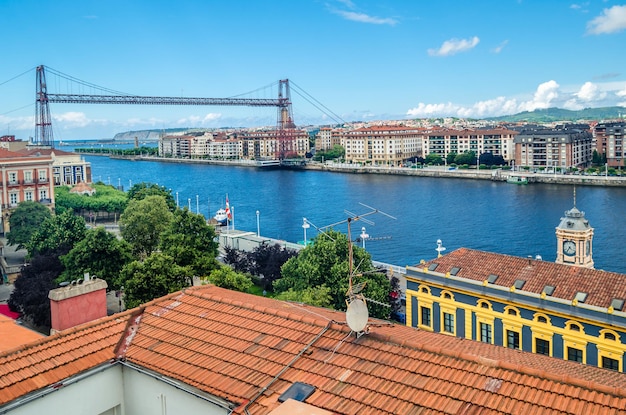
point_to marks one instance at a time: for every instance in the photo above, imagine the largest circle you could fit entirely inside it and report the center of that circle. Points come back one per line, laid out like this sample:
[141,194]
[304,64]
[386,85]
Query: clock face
[569,248]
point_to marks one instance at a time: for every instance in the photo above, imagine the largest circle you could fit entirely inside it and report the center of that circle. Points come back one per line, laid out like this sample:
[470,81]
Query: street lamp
[305,226]
[177,200]
[197,204]
[258,224]
[363,236]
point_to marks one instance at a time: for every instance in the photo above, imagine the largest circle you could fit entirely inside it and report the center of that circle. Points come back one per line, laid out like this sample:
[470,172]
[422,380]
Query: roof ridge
[506,365]
[195,291]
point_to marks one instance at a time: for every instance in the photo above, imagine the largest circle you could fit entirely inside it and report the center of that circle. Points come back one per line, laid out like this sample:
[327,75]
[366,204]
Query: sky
[355,60]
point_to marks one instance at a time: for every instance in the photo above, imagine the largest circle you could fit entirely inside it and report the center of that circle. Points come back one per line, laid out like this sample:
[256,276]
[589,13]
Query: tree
[237,259]
[433,159]
[142,223]
[226,277]
[325,262]
[336,152]
[57,234]
[140,191]
[106,199]
[190,241]
[100,254]
[451,157]
[25,220]
[467,157]
[30,293]
[155,277]
[267,261]
[316,296]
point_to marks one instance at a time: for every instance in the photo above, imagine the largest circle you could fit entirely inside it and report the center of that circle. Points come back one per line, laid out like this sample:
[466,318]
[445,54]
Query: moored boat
[517,180]
[221,217]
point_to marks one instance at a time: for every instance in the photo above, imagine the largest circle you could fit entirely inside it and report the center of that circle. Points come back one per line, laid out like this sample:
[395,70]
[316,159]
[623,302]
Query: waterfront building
[552,148]
[382,145]
[326,138]
[224,148]
[185,146]
[262,144]
[68,168]
[443,141]
[214,351]
[609,138]
[24,177]
[564,309]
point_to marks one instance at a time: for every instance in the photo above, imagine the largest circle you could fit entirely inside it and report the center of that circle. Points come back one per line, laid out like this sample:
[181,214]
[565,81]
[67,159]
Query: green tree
[142,223]
[336,152]
[433,159]
[106,199]
[316,296]
[325,262]
[59,233]
[450,158]
[155,277]
[467,157]
[25,220]
[226,277]
[31,288]
[267,261]
[100,254]
[190,241]
[140,191]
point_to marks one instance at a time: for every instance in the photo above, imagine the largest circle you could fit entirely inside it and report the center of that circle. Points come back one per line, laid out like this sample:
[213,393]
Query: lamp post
[189,204]
[177,205]
[305,226]
[197,204]
[258,224]
[363,236]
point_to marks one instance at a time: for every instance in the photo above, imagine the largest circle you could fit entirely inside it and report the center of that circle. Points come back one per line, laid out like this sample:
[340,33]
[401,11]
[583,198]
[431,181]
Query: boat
[221,217]
[517,180]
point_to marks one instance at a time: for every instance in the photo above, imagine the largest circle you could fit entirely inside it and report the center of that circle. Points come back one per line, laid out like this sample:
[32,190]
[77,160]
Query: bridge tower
[285,127]
[43,121]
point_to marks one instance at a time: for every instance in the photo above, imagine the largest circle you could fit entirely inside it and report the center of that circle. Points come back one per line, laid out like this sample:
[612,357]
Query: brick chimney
[77,302]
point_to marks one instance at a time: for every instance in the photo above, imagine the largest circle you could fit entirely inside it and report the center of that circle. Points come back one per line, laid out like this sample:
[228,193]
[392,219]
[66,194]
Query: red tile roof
[13,335]
[602,286]
[249,349]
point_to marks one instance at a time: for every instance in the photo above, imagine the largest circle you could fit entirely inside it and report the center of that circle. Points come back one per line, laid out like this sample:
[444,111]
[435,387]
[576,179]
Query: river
[478,214]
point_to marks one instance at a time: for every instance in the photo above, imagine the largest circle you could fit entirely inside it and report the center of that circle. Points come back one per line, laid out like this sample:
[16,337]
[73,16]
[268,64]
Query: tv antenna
[357,314]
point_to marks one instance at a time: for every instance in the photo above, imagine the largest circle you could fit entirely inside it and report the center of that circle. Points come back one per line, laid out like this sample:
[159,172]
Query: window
[42,175]
[28,177]
[448,322]
[12,178]
[425,316]
[28,196]
[609,363]
[512,339]
[13,199]
[43,194]
[574,354]
[485,332]
[542,347]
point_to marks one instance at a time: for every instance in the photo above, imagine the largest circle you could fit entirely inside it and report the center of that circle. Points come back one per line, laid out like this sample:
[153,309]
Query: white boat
[517,180]
[221,217]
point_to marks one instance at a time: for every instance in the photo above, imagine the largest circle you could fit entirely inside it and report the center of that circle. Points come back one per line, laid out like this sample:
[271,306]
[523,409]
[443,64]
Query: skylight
[454,270]
[549,289]
[298,391]
[492,278]
[519,284]
[581,296]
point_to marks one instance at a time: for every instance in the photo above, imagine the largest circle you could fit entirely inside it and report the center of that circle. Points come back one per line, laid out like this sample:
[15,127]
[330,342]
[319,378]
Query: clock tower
[574,239]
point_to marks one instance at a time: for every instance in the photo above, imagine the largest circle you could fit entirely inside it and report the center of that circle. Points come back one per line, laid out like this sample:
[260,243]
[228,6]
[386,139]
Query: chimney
[77,302]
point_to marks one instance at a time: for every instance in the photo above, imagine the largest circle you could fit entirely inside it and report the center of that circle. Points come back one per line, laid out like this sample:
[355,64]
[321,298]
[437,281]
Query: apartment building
[262,144]
[382,145]
[185,146]
[553,147]
[609,139]
[24,177]
[443,141]
[326,138]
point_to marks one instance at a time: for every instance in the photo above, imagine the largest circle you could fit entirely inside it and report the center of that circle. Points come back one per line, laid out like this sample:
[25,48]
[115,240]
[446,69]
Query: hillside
[559,114]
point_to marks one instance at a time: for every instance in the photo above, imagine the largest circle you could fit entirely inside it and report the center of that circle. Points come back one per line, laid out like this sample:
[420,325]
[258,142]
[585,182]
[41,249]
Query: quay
[497,175]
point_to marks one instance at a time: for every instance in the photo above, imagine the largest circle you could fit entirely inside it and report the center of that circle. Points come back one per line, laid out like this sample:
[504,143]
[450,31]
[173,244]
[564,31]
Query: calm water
[497,217]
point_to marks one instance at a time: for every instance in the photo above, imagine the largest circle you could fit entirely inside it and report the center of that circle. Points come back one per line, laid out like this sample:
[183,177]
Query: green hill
[559,114]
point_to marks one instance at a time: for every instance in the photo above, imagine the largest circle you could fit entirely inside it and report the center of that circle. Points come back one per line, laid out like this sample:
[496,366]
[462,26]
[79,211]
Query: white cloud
[590,92]
[499,48]
[545,94]
[73,119]
[365,18]
[621,93]
[611,20]
[454,46]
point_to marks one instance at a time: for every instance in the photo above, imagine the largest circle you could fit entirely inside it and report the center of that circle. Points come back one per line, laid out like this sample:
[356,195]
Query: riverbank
[498,175]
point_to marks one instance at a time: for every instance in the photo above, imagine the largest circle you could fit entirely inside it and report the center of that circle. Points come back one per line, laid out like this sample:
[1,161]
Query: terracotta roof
[601,286]
[250,349]
[13,335]
[45,151]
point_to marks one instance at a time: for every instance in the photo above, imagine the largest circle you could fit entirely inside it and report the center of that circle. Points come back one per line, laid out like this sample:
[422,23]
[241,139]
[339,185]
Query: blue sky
[362,59]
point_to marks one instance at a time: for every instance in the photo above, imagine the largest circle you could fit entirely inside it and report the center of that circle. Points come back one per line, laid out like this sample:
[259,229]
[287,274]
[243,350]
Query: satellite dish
[357,315]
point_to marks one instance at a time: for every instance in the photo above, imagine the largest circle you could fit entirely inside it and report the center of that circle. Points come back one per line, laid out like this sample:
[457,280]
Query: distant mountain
[559,114]
[147,134]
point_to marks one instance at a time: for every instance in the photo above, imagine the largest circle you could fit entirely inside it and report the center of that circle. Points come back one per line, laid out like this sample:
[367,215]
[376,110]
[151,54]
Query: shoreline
[496,175]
